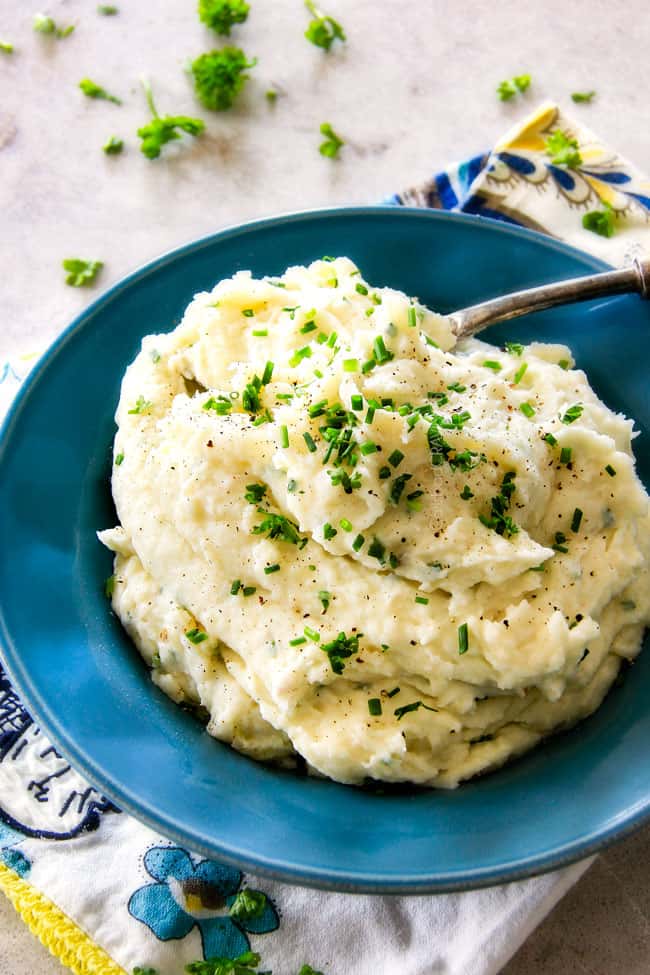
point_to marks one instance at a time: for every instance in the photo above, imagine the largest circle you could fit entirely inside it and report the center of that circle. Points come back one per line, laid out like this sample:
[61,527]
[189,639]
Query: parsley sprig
[563,150]
[45,25]
[322,30]
[600,222]
[219,76]
[160,131]
[244,964]
[221,15]
[81,273]
[93,90]
[332,144]
[513,86]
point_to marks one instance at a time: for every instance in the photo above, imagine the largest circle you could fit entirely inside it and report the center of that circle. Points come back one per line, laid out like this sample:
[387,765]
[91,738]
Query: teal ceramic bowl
[87,687]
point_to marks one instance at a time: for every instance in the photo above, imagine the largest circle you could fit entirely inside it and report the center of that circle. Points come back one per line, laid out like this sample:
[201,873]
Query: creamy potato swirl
[349,539]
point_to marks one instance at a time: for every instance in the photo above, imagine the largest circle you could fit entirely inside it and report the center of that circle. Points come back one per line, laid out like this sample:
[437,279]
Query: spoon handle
[469,321]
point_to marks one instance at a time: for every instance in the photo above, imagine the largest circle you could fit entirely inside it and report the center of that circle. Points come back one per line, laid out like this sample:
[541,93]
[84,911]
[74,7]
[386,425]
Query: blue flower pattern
[188,895]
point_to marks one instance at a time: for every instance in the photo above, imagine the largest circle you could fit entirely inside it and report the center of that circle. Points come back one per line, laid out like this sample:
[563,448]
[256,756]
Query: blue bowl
[84,682]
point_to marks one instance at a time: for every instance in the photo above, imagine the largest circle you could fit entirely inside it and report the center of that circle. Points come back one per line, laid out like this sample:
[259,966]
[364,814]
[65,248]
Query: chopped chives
[358,542]
[466,494]
[321,338]
[269,569]
[313,635]
[309,440]
[260,332]
[411,317]
[368,366]
[299,355]
[368,448]
[308,327]
[610,470]
[492,364]
[297,641]
[318,374]
[235,587]
[268,372]
[514,348]
[463,639]
[318,409]
[575,521]
[381,353]
[345,525]
[563,364]
[377,550]
[527,410]
[248,312]
[396,458]
[550,439]
[328,531]
[370,415]
[249,590]
[196,636]
[361,288]
[292,311]
[291,486]
[374,707]
[351,365]
[572,414]
[565,455]
[456,387]
[519,375]
[119,459]
[284,436]
[325,598]
[422,600]
[384,473]
[394,691]
[331,342]
[356,402]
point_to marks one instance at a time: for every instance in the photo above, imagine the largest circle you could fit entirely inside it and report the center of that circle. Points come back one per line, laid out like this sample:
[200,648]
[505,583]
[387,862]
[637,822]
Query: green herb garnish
[118,459]
[328,531]
[332,144]
[422,600]
[463,638]
[109,586]
[254,493]
[6,47]
[45,25]
[248,904]
[610,470]
[527,410]
[244,964]
[514,348]
[322,30]
[407,708]
[374,707]
[93,90]
[498,520]
[520,373]
[572,414]
[160,131]
[219,76]
[582,96]
[513,86]
[340,649]
[277,527]
[142,405]
[576,520]
[600,222]
[114,146]
[221,15]
[196,635]
[492,364]
[563,150]
[565,455]
[235,587]
[466,494]
[81,273]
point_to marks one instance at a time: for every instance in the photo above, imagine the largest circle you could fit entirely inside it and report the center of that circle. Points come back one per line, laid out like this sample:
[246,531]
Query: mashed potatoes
[347,539]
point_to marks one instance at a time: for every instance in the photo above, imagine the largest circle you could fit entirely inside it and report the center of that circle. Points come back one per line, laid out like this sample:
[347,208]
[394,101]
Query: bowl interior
[85,684]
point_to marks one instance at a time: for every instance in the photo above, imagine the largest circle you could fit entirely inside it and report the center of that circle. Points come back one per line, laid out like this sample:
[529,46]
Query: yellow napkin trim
[55,930]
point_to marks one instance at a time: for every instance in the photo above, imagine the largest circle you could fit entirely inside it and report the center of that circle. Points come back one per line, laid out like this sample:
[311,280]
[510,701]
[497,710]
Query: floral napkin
[107,895]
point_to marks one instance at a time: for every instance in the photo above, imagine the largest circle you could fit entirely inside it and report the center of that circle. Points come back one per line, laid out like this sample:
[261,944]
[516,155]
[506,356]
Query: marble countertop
[412,89]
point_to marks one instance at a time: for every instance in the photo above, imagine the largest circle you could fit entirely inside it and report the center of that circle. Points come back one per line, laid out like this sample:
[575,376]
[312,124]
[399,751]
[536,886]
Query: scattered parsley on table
[332,144]
[93,90]
[322,30]
[159,131]
[219,76]
[80,272]
[221,15]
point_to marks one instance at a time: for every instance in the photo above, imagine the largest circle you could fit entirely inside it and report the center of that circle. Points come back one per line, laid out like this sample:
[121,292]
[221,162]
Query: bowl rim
[279,868]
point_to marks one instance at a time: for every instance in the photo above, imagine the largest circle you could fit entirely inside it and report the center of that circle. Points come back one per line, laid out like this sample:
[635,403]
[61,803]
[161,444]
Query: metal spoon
[469,321]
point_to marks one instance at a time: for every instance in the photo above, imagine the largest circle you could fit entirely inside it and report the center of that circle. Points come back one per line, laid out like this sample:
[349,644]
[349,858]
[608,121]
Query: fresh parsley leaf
[582,96]
[45,25]
[563,150]
[6,47]
[242,965]
[219,77]
[221,15]
[513,86]
[159,131]
[340,648]
[114,146]
[322,30]
[81,273]
[308,970]
[247,905]
[332,144]
[600,222]
[107,10]
[92,90]
[139,970]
